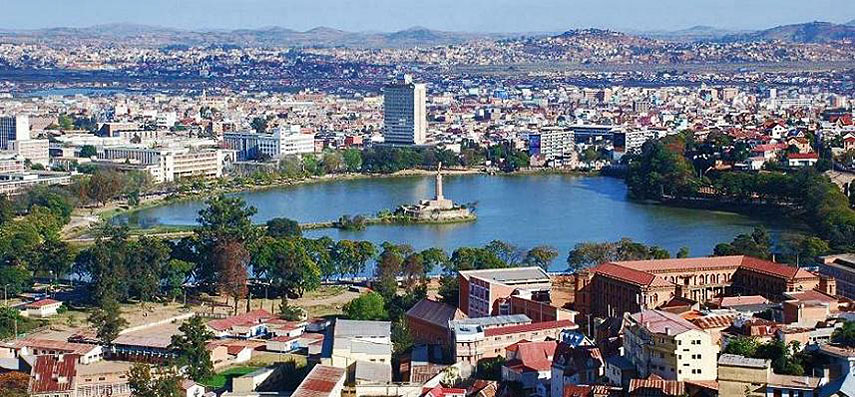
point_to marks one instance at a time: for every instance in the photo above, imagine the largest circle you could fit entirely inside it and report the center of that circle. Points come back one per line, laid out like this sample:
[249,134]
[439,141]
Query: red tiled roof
[802,156]
[627,274]
[683,264]
[439,391]
[813,295]
[578,391]
[40,303]
[719,321]
[656,386]
[320,382]
[730,301]
[246,319]
[534,356]
[57,345]
[52,374]
[513,329]
[775,269]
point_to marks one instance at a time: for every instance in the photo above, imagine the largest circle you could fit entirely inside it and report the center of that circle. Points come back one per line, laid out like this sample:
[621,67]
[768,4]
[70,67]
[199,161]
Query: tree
[107,321]
[106,263]
[87,151]
[683,252]
[660,170]
[506,252]
[370,306]
[286,265]
[145,384]
[402,340]
[312,165]
[226,218]
[434,258]
[845,335]
[52,255]
[757,244]
[332,162]
[190,345]
[147,260]
[591,254]
[283,227]
[15,278]
[259,124]
[105,186]
[173,276]
[230,259]
[743,346]
[541,256]
[352,160]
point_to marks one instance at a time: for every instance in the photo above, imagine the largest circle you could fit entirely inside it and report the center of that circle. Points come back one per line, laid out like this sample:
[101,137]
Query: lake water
[526,210]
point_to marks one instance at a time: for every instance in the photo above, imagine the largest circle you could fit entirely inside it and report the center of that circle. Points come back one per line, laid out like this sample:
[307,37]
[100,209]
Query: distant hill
[851,23]
[265,37]
[812,32]
[695,33]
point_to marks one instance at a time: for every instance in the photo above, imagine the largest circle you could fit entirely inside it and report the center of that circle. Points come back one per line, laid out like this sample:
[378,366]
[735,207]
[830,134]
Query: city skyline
[503,16]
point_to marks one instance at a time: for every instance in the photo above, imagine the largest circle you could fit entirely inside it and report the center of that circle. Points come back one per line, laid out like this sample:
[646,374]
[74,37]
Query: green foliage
[845,335]
[370,306]
[259,124]
[757,244]
[190,345]
[787,360]
[352,160]
[107,321]
[167,383]
[290,313]
[347,222]
[591,254]
[88,151]
[658,171]
[541,256]
[16,279]
[490,368]
[286,265]
[283,227]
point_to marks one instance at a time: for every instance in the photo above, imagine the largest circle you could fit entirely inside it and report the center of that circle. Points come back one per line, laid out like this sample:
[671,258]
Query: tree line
[661,171]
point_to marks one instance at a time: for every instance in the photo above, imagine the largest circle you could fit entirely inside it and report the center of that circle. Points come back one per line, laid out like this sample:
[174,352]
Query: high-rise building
[404,115]
[13,128]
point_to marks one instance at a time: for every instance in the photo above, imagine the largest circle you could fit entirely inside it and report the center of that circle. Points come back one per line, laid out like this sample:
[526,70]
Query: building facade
[664,344]
[404,113]
[255,146]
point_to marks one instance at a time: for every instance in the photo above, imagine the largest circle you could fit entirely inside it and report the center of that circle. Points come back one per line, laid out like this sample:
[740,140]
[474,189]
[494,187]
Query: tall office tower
[13,128]
[404,116]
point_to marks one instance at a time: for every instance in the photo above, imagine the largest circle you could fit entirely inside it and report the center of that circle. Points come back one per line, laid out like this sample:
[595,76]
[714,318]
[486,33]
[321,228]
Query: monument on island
[440,209]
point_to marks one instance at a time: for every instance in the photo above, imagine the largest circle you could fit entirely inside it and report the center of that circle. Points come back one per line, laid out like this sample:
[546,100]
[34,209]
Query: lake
[526,210]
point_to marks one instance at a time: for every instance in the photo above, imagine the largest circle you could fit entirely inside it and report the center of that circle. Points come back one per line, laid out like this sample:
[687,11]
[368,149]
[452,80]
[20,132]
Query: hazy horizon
[495,16]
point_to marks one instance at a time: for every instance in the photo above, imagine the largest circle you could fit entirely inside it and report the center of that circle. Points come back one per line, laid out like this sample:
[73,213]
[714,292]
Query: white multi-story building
[165,164]
[667,345]
[13,128]
[552,142]
[404,115]
[254,146]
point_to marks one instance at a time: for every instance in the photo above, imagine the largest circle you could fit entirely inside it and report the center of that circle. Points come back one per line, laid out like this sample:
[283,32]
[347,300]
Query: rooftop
[436,313]
[741,361]
[516,276]
[661,322]
[361,328]
[53,374]
[320,382]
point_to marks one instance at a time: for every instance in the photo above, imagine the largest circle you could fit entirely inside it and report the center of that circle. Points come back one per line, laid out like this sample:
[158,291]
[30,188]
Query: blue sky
[454,15]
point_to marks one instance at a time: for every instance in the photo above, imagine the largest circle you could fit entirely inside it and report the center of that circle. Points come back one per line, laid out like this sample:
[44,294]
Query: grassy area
[222,379]
[325,291]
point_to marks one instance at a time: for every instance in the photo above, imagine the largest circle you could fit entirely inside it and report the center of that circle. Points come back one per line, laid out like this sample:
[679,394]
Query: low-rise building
[486,292]
[530,363]
[43,308]
[360,341]
[322,381]
[255,146]
[664,344]
[476,339]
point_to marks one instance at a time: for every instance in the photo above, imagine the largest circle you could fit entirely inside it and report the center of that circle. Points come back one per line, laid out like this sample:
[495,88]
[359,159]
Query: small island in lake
[439,210]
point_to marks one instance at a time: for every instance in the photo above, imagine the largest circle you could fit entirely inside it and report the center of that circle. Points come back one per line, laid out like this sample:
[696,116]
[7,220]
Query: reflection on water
[526,210]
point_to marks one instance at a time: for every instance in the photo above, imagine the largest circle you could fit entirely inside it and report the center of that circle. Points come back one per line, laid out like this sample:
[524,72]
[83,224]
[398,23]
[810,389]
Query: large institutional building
[404,114]
[614,288]
[15,137]
[255,146]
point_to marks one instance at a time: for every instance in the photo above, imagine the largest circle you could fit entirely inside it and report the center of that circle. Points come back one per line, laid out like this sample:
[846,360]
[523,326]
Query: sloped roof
[533,356]
[53,374]
[630,275]
[659,322]
[436,313]
[246,319]
[320,382]
[656,386]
